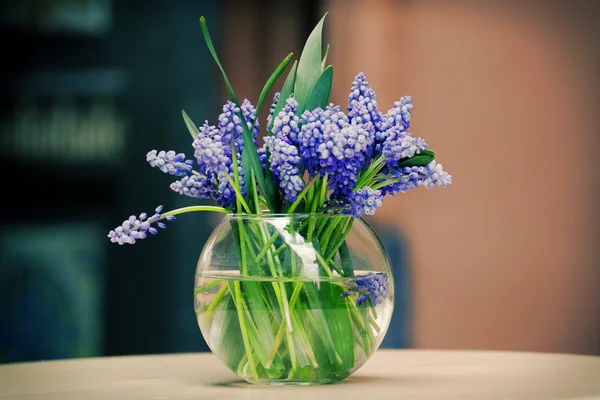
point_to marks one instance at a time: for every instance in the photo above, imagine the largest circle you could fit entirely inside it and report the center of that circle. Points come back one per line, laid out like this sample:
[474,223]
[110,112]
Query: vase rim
[266,216]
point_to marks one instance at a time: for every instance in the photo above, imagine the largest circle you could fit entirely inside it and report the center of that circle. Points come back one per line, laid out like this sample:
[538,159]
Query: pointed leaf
[324,62]
[274,76]
[252,157]
[212,51]
[286,92]
[319,96]
[309,66]
[190,125]
[269,183]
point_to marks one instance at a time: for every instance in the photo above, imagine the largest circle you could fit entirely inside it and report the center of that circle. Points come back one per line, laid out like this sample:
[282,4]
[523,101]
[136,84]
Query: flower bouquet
[294,286]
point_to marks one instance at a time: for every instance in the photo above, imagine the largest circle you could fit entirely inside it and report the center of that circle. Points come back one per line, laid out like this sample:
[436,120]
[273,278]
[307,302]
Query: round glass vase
[300,299]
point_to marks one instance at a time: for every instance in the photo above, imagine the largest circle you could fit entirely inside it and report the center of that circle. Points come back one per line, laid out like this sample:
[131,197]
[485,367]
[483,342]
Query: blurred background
[507,93]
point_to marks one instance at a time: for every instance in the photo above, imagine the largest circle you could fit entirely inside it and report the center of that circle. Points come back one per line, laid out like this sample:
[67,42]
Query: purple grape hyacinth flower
[198,186]
[362,103]
[136,228]
[230,126]
[169,162]
[365,201]
[430,175]
[283,154]
[401,144]
[249,113]
[272,108]
[373,286]
[330,144]
[286,123]
[399,115]
[209,149]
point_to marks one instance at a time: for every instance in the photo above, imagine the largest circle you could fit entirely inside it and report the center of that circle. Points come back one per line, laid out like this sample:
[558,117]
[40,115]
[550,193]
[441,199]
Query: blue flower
[330,144]
[230,125]
[373,286]
[226,194]
[198,186]
[362,102]
[286,122]
[136,228]
[169,162]
[290,182]
[209,149]
[262,157]
[272,108]
[249,113]
[409,178]
[365,201]
[399,115]
[401,144]
[283,154]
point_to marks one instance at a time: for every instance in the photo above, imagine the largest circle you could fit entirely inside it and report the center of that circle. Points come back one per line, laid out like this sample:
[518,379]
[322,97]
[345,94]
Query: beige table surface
[389,374]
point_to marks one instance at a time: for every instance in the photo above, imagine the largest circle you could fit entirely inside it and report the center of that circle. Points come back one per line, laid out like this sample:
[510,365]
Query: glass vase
[299,299]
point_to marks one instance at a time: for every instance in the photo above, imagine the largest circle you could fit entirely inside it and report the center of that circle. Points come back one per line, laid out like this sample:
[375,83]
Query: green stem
[323,191]
[323,263]
[243,329]
[215,303]
[315,203]
[371,172]
[207,286]
[341,240]
[327,235]
[238,194]
[193,208]
[384,183]
[266,247]
[302,194]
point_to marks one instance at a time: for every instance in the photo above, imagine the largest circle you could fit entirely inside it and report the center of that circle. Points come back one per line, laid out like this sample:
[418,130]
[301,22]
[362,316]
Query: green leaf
[252,158]
[309,66]
[274,76]
[246,161]
[324,62]
[319,95]
[270,184]
[346,260]
[229,342]
[190,125]
[419,160]
[286,91]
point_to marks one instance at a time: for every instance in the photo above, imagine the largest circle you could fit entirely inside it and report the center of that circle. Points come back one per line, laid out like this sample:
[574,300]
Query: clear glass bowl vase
[293,298]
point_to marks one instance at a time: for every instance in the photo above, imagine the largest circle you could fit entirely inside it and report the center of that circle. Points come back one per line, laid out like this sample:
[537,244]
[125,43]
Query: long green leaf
[319,95]
[274,76]
[190,125]
[286,91]
[212,51]
[346,260]
[324,62]
[269,183]
[309,66]
[248,138]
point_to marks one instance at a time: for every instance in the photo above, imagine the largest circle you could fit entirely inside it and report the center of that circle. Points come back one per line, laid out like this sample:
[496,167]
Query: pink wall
[507,94]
